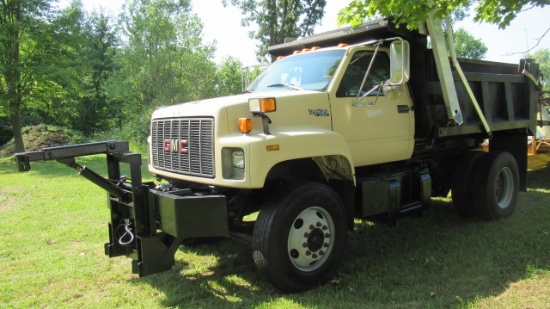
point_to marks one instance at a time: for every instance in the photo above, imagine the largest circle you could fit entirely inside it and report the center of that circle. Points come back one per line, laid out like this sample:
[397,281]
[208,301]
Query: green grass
[53,224]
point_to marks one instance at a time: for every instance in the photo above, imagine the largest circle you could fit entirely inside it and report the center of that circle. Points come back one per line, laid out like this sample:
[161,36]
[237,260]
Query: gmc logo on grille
[175,145]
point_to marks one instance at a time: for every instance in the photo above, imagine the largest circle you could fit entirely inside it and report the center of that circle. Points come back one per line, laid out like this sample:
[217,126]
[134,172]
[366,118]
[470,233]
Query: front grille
[184,146]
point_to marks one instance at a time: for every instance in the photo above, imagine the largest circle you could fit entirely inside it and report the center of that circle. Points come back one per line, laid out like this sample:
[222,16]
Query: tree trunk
[15,118]
[11,20]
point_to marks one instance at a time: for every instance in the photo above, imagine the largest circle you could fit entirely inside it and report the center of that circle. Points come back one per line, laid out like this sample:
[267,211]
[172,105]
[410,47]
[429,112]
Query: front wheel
[299,237]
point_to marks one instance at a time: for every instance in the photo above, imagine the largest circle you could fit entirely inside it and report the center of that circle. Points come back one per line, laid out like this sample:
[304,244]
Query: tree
[413,13]
[229,77]
[277,20]
[58,93]
[22,27]
[74,59]
[542,57]
[468,46]
[95,111]
[164,60]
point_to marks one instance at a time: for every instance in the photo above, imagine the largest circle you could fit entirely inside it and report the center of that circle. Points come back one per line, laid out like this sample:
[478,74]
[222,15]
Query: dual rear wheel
[485,185]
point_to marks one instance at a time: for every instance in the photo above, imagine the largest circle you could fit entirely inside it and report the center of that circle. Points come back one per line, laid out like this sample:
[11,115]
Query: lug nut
[308,252]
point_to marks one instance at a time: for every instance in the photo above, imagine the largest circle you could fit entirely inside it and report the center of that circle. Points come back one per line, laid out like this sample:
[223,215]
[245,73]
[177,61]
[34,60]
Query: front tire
[299,237]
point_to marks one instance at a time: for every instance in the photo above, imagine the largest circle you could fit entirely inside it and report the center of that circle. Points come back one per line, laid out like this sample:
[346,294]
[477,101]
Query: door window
[355,72]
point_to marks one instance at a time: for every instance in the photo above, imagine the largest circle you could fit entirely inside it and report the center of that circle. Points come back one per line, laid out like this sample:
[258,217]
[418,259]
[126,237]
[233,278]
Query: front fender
[268,150]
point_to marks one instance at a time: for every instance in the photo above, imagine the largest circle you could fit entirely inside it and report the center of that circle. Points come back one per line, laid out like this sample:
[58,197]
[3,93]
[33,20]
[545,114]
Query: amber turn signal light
[245,125]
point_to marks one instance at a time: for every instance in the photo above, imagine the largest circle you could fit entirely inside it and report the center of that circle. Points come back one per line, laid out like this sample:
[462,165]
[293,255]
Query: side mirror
[392,90]
[399,61]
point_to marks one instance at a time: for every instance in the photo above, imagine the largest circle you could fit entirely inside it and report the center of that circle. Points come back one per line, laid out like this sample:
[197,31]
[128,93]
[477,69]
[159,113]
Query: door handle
[403,109]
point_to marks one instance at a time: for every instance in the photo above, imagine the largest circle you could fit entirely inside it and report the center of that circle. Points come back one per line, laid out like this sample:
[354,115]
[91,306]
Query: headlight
[233,163]
[237,157]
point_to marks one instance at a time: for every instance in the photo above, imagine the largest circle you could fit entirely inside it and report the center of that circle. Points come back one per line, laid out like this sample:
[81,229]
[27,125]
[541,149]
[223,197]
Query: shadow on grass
[439,260]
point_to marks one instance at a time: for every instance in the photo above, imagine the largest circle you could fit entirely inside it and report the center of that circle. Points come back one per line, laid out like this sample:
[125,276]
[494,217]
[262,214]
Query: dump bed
[506,97]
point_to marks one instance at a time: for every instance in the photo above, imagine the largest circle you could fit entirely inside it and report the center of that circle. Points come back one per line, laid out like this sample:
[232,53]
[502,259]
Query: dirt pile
[40,136]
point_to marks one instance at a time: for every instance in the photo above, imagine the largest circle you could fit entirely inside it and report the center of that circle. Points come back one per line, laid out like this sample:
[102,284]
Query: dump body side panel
[506,97]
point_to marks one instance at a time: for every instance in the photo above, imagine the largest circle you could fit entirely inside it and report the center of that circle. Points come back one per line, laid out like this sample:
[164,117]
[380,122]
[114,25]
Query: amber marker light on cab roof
[245,125]
[263,105]
[342,45]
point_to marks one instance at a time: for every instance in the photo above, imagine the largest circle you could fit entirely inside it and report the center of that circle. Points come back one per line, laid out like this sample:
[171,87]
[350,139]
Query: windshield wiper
[286,85]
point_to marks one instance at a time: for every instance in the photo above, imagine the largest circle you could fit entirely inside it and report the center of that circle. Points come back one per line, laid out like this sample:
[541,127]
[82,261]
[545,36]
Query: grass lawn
[53,224]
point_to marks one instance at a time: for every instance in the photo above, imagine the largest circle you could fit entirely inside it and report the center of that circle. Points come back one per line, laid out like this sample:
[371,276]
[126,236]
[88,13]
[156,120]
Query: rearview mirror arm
[358,98]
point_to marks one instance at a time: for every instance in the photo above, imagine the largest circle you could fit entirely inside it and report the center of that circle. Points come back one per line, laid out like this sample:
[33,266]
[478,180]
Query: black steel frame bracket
[145,224]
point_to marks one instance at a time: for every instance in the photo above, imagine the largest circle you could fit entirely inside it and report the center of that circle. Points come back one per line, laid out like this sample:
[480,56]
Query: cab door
[378,129]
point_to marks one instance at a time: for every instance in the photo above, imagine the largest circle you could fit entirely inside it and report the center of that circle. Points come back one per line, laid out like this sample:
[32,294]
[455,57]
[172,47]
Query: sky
[223,25]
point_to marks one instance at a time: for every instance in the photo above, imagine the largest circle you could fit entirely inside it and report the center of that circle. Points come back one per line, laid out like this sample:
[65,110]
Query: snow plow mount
[146,224]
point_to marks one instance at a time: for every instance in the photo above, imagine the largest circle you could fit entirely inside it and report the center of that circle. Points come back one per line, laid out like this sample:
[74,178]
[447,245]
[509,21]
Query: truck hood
[213,107]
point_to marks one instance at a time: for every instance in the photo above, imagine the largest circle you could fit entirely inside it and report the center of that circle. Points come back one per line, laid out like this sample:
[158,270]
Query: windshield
[311,71]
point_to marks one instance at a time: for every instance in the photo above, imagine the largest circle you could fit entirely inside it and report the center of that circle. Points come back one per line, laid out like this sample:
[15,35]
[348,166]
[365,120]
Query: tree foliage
[71,89]
[542,57]
[467,46]
[97,111]
[413,13]
[277,20]
[91,72]
[228,77]
[164,60]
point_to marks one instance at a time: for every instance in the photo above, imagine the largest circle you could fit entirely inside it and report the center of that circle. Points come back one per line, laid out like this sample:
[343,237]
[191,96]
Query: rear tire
[300,236]
[496,186]
[461,182]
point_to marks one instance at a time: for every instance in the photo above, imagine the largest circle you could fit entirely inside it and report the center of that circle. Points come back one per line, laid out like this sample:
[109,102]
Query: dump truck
[365,123]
